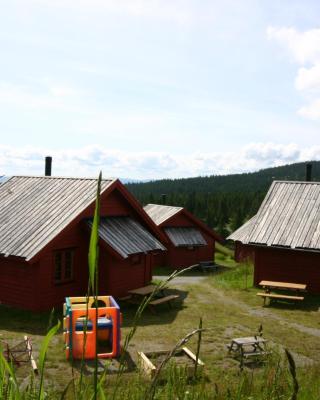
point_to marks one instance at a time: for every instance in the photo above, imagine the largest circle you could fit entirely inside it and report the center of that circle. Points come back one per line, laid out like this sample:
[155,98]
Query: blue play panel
[103,323]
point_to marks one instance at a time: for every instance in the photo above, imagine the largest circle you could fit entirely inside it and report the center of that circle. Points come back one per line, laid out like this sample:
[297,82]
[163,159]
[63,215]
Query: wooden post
[29,349]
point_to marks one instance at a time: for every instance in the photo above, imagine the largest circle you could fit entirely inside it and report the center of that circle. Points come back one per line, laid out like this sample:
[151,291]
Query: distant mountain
[223,202]
[251,181]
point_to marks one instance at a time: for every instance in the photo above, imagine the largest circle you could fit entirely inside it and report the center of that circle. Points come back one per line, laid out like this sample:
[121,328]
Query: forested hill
[224,202]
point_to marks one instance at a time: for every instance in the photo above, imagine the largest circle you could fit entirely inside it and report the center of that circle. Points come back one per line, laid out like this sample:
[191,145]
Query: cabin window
[63,265]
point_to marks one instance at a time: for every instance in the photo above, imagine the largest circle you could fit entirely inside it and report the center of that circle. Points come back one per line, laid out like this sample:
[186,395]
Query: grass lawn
[229,307]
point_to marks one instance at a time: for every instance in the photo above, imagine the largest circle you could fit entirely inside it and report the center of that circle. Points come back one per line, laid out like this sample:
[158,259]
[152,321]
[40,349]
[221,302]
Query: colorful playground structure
[85,327]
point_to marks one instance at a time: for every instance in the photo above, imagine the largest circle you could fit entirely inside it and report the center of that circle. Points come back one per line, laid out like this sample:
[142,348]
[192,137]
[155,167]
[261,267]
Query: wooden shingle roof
[33,210]
[288,217]
[159,213]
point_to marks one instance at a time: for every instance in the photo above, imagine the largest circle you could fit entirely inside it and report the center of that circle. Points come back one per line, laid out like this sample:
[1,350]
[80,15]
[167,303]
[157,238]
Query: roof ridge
[301,182]
[61,177]
[162,205]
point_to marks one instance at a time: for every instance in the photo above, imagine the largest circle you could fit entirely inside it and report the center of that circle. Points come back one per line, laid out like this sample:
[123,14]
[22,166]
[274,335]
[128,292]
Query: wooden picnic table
[140,293]
[143,291]
[283,285]
[248,347]
[269,285]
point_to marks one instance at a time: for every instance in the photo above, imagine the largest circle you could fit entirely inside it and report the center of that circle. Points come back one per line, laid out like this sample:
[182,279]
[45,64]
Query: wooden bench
[162,300]
[275,296]
[165,299]
[255,354]
[207,266]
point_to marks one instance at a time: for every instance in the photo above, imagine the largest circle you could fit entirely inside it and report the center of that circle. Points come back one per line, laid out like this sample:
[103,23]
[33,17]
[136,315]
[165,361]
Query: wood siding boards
[185,236]
[126,236]
[288,217]
[159,213]
[33,210]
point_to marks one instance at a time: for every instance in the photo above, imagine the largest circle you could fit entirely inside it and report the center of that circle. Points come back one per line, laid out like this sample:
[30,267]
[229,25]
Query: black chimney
[48,164]
[308,172]
[164,199]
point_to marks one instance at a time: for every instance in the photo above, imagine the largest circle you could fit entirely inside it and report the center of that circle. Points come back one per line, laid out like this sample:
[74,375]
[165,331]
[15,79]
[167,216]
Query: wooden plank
[284,285]
[305,238]
[276,208]
[192,356]
[283,237]
[255,354]
[146,365]
[300,216]
[280,296]
[143,291]
[266,214]
[165,299]
[249,340]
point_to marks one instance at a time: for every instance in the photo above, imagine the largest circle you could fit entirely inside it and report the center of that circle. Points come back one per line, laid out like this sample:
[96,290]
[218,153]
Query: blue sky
[150,89]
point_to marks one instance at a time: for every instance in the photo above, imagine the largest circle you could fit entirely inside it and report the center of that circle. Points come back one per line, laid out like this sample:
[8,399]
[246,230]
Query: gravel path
[182,280]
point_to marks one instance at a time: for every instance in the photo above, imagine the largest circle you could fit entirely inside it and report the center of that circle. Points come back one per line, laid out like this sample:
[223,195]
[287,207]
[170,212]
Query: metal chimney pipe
[48,165]
[308,172]
[164,199]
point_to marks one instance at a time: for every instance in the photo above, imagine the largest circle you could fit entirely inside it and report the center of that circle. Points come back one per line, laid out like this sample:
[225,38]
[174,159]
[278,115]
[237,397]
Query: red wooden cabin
[44,237]
[283,238]
[189,240]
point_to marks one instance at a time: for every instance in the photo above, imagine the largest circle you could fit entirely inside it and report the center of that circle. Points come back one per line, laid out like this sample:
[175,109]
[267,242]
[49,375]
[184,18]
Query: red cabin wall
[112,205]
[32,286]
[52,294]
[18,283]
[292,266]
[159,259]
[117,276]
[180,257]
[243,252]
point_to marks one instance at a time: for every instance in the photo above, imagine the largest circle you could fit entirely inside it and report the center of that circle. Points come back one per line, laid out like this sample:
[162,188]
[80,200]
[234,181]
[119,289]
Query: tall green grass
[239,277]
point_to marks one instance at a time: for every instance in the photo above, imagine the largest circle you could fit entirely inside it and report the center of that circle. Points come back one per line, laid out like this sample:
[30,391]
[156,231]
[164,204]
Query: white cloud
[308,78]
[304,46]
[305,49]
[88,161]
[311,111]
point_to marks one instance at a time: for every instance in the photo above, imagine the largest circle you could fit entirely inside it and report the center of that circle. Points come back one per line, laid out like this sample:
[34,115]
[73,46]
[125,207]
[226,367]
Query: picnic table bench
[140,293]
[248,347]
[207,266]
[165,299]
[269,285]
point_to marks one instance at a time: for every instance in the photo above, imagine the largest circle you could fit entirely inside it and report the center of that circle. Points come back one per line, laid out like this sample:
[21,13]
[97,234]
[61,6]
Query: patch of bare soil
[182,280]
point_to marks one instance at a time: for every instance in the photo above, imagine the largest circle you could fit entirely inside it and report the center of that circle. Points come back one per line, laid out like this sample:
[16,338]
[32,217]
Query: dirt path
[182,280]
[262,312]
